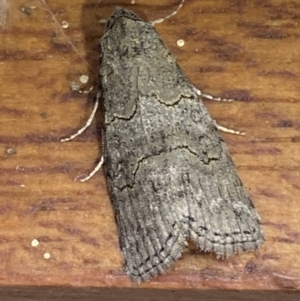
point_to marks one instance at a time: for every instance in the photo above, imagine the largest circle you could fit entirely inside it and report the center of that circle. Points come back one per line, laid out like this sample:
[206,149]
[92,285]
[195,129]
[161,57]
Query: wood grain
[248,50]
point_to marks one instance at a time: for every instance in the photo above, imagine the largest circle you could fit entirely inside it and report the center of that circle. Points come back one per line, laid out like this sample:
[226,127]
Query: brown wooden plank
[248,50]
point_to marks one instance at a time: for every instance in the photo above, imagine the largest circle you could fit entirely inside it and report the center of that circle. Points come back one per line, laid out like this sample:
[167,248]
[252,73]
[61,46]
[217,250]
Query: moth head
[119,14]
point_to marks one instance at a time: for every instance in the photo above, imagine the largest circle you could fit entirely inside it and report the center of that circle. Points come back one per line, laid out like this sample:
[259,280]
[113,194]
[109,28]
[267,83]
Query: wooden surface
[249,50]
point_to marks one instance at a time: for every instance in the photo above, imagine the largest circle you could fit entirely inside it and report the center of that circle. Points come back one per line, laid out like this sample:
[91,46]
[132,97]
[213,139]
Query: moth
[169,174]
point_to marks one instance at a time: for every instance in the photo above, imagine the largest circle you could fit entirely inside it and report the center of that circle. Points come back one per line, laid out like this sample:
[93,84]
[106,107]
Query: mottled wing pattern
[169,173]
[152,236]
[225,221]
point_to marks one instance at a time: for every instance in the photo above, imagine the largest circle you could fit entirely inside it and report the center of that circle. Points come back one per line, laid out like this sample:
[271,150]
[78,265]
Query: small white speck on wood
[64,24]
[84,79]
[35,243]
[180,43]
[47,255]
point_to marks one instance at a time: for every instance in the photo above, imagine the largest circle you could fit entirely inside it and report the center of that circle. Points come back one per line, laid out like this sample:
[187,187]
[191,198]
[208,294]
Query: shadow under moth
[168,171]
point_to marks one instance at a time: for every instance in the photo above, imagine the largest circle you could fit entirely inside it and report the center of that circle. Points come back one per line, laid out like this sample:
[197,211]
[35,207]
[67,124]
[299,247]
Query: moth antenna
[3,13]
[168,16]
[63,33]
[98,4]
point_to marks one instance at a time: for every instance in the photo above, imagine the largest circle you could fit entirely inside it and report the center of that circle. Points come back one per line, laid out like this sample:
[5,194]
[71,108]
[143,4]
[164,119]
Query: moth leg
[220,128]
[88,123]
[168,16]
[86,91]
[210,97]
[96,169]
[227,130]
